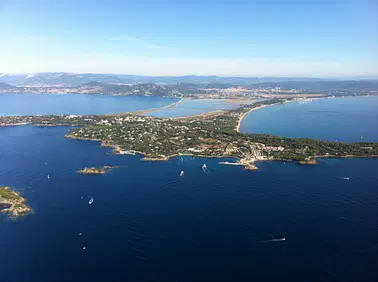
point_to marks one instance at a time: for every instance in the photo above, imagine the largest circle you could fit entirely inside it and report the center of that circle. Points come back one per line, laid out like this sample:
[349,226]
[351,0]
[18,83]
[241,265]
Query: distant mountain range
[61,79]
[5,86]
[173,86]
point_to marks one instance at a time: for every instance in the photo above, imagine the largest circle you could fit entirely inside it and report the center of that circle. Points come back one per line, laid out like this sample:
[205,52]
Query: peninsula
[12,203]
[211,135]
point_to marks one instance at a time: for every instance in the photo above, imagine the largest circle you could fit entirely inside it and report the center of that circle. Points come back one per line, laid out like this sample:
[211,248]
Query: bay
[349,119]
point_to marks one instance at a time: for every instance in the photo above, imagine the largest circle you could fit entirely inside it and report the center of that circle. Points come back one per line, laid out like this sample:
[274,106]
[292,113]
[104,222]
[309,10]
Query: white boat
[90,201]
[182,173]
[48,176]
[204,169]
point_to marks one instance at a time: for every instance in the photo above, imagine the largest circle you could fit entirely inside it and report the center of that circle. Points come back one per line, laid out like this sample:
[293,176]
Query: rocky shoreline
[308,161]
[248,164]
[12,203]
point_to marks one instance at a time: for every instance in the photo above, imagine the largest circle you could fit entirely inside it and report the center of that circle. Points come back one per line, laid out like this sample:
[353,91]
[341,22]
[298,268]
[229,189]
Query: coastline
[270,105]
[240,161]
[141,112]
[243,115]
[208,114]
[12,203]
[211,113]
[247,164]
[236,116]
[14,124]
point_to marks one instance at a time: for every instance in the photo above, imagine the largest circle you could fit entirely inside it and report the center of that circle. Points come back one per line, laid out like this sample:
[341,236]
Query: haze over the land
[163,38]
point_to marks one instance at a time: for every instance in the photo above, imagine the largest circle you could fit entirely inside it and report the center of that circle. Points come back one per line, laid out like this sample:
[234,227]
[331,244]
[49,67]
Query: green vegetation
[7,194]
[12,203]
[212,135]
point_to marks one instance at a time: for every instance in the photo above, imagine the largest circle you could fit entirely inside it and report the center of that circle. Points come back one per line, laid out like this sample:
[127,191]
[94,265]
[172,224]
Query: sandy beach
[141,112]
[243,115]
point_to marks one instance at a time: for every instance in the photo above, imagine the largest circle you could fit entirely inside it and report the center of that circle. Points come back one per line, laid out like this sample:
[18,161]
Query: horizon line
[342,77]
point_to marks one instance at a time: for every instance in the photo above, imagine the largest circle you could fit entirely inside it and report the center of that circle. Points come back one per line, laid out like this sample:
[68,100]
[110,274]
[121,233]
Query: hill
[62,79]
[5,86]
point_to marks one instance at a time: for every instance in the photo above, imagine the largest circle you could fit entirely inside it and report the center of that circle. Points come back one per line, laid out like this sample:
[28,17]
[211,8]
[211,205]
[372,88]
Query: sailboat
[91,201]
[48,176]
[182,173]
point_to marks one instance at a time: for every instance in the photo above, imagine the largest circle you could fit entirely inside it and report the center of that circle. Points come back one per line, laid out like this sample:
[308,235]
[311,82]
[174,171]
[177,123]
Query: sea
[60,104]
[345,119]
[284,222]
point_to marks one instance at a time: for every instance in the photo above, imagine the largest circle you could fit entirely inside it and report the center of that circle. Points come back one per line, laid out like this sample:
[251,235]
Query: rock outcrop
[308,161]
[12,203]
[250,167]
[94,170]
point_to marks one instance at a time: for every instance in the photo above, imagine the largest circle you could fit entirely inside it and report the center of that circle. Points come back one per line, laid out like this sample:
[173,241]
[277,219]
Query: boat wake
[274,240]
[205,169]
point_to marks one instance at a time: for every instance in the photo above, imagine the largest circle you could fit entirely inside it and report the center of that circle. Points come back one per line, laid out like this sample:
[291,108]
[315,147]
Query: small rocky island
[12,203]
[95,170]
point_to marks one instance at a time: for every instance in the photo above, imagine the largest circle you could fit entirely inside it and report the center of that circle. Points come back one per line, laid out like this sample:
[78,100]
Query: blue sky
[240,38]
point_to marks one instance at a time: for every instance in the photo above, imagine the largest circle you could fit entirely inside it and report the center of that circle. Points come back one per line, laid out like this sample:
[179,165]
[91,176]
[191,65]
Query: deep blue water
[43,104]
[148,224]
[339,119]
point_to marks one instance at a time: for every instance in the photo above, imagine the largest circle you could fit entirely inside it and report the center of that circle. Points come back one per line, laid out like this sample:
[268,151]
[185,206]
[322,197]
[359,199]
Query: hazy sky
[239,38]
